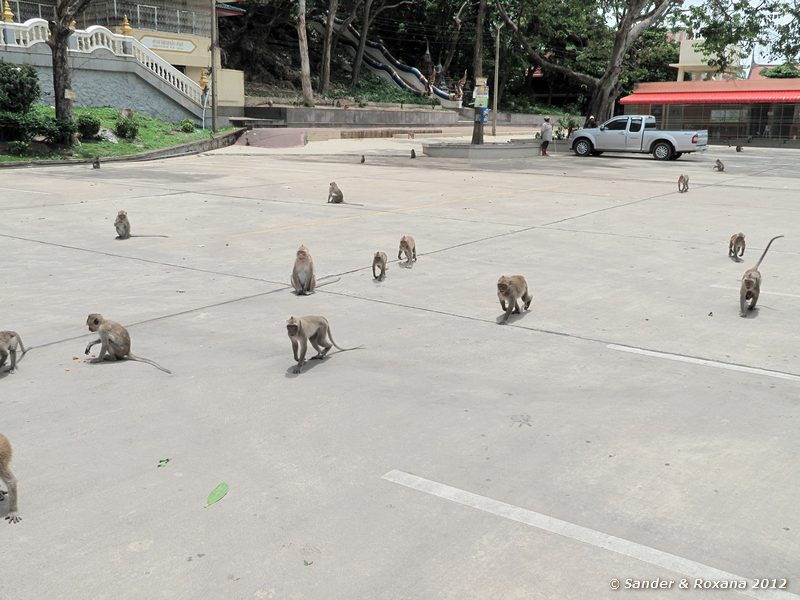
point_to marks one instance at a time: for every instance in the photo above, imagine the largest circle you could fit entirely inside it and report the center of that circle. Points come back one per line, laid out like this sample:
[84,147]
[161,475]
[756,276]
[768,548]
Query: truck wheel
[582,147]
[662,151]
[676,156]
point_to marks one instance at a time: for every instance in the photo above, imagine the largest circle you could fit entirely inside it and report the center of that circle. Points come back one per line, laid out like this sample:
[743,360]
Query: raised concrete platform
[485,151]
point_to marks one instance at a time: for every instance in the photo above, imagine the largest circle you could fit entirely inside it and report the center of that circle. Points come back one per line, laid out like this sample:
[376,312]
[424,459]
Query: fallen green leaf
[163,462]
[217,494]
[308,564]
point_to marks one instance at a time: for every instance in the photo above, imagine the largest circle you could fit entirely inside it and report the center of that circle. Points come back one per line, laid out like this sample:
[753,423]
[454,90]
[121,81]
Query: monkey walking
[123,226]
[96,162]
[8,346]
[363,159]
[8,478]
[115,342]
[683,183]
[413,154]
[336,196]
[751,283]
[736,246]
[379,260]
[739,148]
[509,290]
[312,329]
[719,165]
[409,248]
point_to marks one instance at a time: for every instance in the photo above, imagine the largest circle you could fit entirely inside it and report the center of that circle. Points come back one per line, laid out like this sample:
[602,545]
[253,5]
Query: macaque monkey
[363,159]
[115,341]
[751,283]
[96,162]
[683,183]
[123,227]
[413,154]
[379,260]
[8,345]
[409,248]
[509,290]
[8,478]
[719,165]
[736,246]
[315,329]
[739,148]
[335,195]
[304,279]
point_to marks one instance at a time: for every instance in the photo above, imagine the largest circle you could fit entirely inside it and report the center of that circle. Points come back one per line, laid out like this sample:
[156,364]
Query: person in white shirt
[547,136]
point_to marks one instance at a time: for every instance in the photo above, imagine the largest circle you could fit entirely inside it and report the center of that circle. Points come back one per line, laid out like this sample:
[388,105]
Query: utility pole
[496,73]
[214,58]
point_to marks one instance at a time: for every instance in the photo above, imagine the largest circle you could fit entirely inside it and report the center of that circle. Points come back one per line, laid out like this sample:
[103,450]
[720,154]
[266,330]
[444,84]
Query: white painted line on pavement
[725,287]
[598,539]
[706,363]
[5,189]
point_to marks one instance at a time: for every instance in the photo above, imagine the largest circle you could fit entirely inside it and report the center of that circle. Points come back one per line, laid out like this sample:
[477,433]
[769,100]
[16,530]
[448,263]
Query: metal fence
[157,15]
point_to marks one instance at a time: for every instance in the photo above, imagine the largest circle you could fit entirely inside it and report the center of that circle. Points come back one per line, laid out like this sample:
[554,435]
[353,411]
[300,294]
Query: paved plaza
[629,426]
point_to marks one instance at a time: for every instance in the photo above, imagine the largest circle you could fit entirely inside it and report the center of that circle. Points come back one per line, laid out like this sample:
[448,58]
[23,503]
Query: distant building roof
[755,71]
[743,91]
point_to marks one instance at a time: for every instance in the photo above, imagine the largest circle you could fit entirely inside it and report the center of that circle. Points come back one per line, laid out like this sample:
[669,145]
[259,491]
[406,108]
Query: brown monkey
[115,341]
[96,162]
[719,165]
[123,227]
[8,346]
[311,328]
[335,195]
[739,148]
[409,248]
[736,246]
[683,183]
[413,154]
[8,478]
[363,159]
[751,283]
[304,279]
[509,290]
[379,260]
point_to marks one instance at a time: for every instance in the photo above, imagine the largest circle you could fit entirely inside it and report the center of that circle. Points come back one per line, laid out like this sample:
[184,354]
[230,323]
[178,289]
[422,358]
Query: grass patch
[154,134]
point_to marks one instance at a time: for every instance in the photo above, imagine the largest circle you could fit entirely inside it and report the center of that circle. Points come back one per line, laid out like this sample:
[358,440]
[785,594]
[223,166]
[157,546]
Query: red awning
[732,97]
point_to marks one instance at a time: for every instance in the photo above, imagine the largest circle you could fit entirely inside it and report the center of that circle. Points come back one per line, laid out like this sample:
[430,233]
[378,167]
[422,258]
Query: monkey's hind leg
[753,300]
[3,356]
[527,300]
[319,343]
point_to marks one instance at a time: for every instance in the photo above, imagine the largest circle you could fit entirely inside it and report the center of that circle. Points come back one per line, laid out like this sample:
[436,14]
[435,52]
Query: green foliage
[88,126]
[374,89]
[56,132]
[788,71]
[18,148]
[19,87]
[187,126]
[127,128]
[565,126]
[17,126]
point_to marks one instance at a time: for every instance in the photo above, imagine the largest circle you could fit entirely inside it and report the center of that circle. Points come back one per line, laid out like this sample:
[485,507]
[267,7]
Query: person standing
[547,136]
[591,122]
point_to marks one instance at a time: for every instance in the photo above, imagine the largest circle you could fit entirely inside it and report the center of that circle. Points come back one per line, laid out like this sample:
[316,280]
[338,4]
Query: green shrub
[127,128]
[17,126]
[787,71]
[88,126]
[19,87]
[187,126]
[18,148]
[57,132]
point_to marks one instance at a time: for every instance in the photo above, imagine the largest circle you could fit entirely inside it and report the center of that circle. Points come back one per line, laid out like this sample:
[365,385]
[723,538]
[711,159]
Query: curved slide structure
[378,58]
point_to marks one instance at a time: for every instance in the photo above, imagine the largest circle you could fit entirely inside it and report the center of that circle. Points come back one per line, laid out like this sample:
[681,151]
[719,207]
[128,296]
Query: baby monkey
[115,341]
[509,290]
[719,165]
[379,261]
[335,195]
[409,248]
[8,346]
[311,328]
[683,183]
[751,283]
[736,246]
[8,478]
[122,225]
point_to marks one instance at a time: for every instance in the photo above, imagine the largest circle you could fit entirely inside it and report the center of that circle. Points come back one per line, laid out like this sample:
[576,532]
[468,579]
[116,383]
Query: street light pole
[496,71]
[214,57]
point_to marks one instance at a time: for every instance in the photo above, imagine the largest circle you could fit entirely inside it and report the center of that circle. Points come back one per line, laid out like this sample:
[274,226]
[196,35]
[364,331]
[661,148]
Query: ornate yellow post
[126,26]
[8,16]
[73,25]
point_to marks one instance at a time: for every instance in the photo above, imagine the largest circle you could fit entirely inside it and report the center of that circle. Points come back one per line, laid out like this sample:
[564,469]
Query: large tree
[372,8]
[477,67]
[305,65]
[66,12]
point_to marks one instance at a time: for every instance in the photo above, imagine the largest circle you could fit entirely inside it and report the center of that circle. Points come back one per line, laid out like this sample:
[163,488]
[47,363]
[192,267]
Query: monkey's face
[333,184]
[93,321]
[292,327]
[301,255]
[122,215]
[404,244]
[502,287]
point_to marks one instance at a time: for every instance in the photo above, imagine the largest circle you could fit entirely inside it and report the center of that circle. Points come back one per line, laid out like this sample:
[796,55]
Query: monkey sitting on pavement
[719,165]
[312,329]
[123,226]
[8,347]
[115,341]
[8,478]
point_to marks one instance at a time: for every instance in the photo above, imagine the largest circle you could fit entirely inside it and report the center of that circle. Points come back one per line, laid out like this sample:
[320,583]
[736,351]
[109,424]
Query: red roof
[728,97]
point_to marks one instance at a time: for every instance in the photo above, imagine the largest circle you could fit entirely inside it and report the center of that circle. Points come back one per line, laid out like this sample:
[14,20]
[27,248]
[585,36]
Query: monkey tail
[765,250]
[338,347]
[164,236]
[149,362]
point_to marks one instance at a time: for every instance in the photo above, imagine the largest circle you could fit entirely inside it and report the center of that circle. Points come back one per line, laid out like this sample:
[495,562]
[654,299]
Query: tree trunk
[62,74]
[305,67]
[327,45]
[451,51]
[477,67]
[362,43]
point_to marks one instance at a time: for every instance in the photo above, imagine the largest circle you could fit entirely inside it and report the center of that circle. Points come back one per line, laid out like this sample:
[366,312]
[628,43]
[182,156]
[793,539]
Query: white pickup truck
[637,133]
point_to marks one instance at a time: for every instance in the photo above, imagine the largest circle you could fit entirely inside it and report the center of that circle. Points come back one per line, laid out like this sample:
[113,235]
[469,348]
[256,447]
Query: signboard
[481,93]
[482,101]
[168,44]
[69,94]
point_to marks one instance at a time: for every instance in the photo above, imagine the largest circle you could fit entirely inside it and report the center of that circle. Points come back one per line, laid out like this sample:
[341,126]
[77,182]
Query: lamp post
[496,72]
[214,55]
